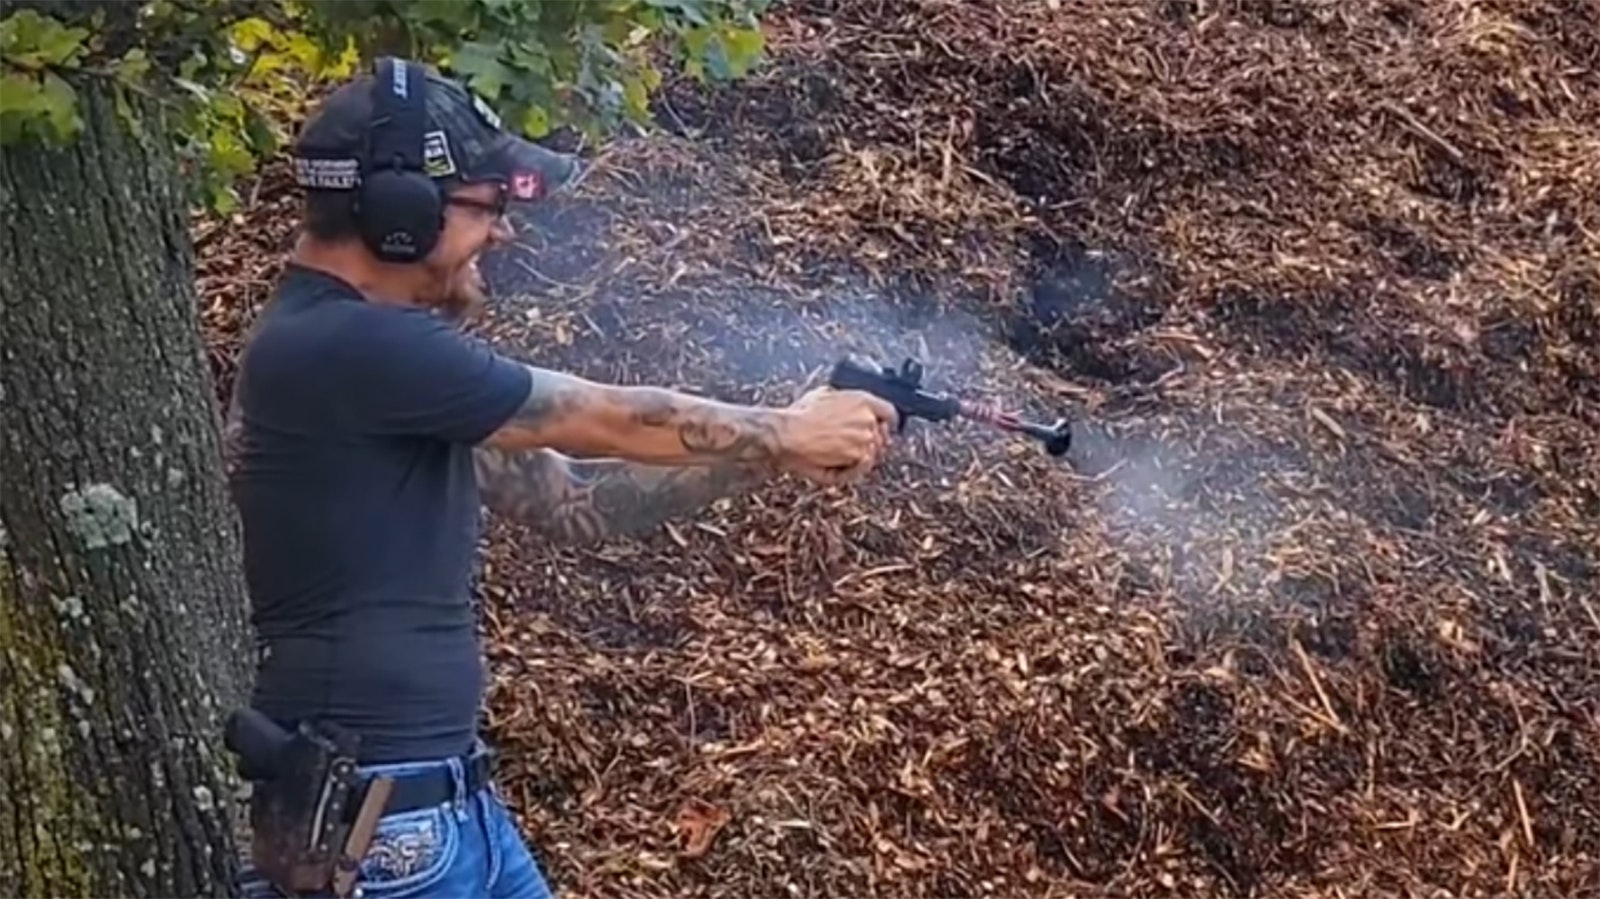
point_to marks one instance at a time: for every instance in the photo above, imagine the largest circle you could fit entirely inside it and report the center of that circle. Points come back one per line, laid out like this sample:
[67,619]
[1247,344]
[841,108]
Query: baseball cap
[463,140]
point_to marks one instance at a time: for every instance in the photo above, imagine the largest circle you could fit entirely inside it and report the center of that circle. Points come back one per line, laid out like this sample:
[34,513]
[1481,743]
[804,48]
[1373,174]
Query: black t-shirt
[361,513]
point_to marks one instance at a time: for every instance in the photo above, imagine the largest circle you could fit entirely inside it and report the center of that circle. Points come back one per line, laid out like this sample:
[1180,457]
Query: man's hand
[835,437]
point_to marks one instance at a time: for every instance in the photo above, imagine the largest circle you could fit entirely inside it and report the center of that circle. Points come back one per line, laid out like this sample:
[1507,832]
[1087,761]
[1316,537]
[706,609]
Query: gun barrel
[903,388]
[1057,438]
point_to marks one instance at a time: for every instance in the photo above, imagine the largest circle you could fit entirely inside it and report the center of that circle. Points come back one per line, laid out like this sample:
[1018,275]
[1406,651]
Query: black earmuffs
[399,209]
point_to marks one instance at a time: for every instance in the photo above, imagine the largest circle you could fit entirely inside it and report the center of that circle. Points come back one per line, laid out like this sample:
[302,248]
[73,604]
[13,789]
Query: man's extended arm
[577,501]
[584,460]
[647,425]
[681,454]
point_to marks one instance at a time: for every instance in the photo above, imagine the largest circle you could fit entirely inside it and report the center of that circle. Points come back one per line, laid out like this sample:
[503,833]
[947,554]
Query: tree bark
[122,606]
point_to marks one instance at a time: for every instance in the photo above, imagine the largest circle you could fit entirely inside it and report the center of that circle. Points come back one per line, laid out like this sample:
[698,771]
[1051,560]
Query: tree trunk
[122,628]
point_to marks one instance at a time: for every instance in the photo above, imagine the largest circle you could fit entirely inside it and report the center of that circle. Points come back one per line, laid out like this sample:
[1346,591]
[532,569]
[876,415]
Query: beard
[462,294]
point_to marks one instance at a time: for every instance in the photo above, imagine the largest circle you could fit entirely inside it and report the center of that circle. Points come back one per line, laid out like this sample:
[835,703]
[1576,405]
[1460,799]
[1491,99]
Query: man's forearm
[578,501]
[646,425]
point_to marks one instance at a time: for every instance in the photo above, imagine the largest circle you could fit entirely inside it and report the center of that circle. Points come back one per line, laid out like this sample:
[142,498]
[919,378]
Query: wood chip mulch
[1313,609]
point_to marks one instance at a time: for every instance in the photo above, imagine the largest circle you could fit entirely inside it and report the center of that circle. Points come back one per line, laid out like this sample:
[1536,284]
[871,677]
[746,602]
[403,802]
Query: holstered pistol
[303,837]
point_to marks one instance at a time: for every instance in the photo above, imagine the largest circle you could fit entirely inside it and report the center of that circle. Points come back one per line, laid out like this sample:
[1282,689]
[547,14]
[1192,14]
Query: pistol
[902,388]
[312,814]
[258,742]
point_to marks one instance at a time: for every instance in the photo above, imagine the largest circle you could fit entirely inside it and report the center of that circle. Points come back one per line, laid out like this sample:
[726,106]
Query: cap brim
[531,172]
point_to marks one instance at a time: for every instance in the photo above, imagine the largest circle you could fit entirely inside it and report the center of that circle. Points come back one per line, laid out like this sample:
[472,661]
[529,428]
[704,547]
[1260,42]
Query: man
[367,432]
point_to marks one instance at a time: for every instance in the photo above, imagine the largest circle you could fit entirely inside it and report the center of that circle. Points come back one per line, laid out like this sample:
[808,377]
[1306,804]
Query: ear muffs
[398,208]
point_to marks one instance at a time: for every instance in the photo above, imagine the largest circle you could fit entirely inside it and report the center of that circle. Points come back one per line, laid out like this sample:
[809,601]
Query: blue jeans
[468,847]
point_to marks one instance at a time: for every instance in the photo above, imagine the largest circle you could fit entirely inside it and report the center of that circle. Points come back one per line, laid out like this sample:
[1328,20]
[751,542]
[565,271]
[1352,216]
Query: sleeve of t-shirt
[416,375]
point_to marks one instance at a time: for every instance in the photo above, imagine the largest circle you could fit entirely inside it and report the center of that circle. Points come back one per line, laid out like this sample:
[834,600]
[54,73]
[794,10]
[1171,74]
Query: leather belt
[436,786]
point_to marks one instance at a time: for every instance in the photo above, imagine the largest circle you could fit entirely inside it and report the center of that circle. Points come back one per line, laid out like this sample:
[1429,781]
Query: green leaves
[722,53]
[32,41]
[41,105]
[238,74]
[691,11]
[480,64]
[34,100]
[545,64]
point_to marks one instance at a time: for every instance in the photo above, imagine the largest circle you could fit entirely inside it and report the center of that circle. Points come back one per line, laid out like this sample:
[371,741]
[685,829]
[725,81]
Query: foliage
[549,63]
[235,75]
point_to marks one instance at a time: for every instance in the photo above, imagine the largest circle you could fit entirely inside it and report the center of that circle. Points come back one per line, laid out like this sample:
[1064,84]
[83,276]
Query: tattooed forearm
[576,501]
[642,424]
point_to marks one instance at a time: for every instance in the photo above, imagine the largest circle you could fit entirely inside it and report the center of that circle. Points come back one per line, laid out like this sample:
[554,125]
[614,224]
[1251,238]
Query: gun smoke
[1150,472]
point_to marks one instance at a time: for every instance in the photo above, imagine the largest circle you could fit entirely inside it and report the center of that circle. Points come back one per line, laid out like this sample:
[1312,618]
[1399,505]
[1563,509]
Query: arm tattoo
[580,501]
[653,421]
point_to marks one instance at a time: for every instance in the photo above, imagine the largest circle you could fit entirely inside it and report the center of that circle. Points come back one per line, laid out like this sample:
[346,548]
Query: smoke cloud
[1170,482]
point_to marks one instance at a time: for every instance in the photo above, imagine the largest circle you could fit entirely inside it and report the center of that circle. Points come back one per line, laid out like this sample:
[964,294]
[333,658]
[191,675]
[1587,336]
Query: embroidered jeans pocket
[410,852]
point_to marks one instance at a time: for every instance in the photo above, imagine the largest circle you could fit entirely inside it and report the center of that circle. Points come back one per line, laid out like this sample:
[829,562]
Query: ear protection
[399,209]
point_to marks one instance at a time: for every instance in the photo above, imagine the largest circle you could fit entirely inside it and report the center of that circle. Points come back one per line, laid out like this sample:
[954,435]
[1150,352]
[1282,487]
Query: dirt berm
[1313,608]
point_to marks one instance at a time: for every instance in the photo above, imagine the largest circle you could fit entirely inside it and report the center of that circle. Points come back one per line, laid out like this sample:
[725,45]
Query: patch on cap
[489,116]
[527,186]
[436,158]
[327,174]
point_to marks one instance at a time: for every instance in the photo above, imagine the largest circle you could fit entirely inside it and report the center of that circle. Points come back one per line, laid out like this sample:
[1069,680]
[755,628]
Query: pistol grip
[257,741]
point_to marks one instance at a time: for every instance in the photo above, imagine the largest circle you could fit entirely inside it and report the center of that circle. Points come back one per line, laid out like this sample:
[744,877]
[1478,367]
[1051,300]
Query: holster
[304,785]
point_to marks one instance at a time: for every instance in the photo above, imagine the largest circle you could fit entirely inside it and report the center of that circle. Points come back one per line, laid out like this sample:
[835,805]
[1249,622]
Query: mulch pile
[1313,609]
